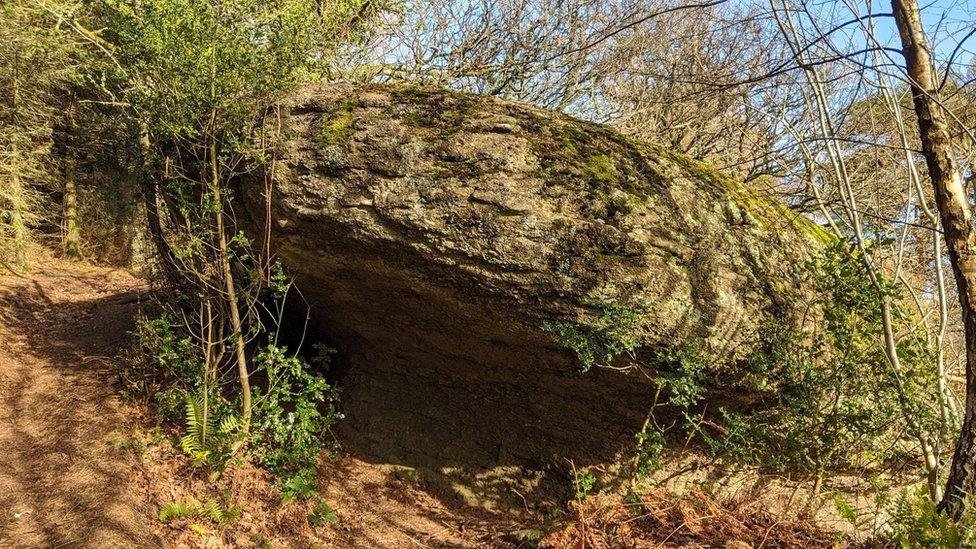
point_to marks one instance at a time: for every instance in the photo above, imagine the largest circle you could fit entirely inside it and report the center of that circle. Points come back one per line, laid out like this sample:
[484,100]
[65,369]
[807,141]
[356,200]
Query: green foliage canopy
[185,65]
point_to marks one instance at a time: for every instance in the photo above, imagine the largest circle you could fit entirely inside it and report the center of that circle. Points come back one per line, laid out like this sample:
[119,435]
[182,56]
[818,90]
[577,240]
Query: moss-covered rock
[458,250]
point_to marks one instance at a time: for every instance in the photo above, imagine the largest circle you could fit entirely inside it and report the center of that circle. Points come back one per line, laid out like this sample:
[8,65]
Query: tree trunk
[956,215]
[230,289]
[72,235]
[150,192]
[18,223]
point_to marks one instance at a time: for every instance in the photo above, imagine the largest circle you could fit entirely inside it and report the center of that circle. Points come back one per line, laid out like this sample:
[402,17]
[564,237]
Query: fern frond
[212,511]
[197,425]
[175,510]
[194,417]
[229,424]
[192,508]
[192,447]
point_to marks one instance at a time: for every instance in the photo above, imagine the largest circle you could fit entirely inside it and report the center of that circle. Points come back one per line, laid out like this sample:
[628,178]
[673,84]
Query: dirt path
[62,484]
[67,479]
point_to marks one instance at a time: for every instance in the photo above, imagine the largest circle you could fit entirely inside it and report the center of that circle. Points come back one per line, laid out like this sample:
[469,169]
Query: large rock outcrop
[434,235]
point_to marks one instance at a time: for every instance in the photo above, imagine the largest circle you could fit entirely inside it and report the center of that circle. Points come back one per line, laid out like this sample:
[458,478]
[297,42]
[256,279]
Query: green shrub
[682,373]
[915,522]
[817,397]
[614,333]
[583,483]
[647,451]
[166,366]
[293,417]
[830,398]
[292,411]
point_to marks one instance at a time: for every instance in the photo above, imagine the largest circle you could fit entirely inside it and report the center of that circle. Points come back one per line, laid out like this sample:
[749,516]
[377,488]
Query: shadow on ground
[62,484]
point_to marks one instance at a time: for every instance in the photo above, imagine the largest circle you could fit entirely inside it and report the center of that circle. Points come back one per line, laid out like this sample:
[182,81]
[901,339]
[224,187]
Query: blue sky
[946,21]
[949,21]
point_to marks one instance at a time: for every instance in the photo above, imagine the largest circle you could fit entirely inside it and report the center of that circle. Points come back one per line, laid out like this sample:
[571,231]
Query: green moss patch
[599,169]
[438,110]
[754,202]
[337,130]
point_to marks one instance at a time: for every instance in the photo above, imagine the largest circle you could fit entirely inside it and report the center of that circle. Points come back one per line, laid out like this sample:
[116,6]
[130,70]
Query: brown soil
[81,468]
[692,521]
[61,482]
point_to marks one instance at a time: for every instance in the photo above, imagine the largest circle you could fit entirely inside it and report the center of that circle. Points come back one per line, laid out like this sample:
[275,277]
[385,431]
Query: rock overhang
[435,234]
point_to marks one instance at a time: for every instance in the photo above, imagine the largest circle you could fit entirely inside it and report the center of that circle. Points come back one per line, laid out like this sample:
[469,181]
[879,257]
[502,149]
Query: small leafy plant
[323,514]
[613,333]
[293,405]
[583,483]
[647,451]
[209,439]
[915,522]
[165,366]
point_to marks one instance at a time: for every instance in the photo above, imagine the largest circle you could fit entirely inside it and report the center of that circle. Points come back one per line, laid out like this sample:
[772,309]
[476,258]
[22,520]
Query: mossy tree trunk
[18,221]
[72,234]
[17,194]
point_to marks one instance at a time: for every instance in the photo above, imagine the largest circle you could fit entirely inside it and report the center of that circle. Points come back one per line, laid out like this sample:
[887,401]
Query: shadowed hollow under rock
[434,233]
